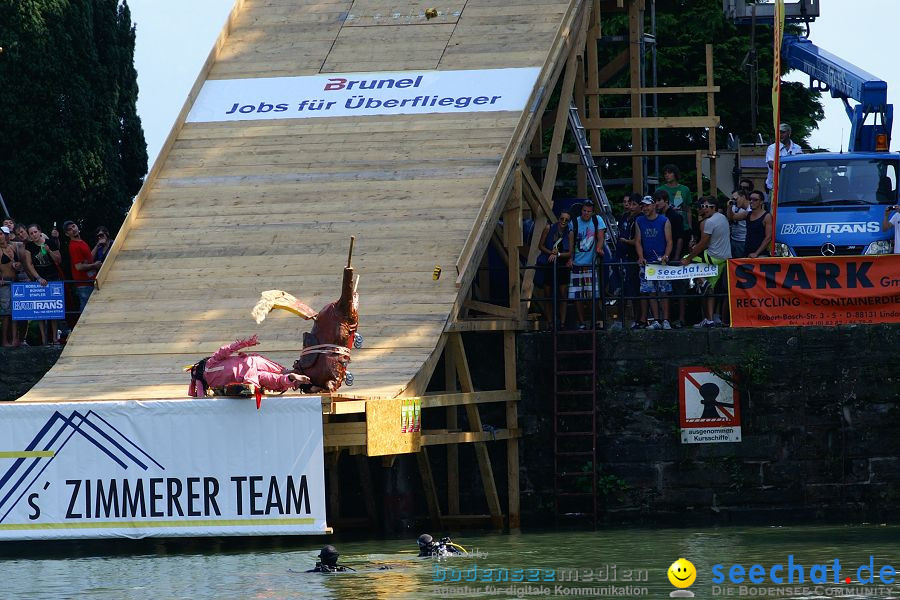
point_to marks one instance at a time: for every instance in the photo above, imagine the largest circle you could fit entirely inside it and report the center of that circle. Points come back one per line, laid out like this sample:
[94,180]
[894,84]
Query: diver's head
[329,555]
[425,541]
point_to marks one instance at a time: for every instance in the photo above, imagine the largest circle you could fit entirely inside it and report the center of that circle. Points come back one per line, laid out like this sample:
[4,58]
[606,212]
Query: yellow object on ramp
[233,208]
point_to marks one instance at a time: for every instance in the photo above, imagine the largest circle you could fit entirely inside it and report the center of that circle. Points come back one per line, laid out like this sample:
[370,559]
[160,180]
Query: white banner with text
[208,467]
[671,272]
[364,94]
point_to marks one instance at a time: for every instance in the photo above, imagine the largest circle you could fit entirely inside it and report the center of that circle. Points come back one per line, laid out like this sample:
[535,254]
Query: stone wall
[820,420]
[820,414]
[21,368]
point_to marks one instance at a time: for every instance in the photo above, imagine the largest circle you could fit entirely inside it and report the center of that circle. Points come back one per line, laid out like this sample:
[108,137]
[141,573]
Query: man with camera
[892,220]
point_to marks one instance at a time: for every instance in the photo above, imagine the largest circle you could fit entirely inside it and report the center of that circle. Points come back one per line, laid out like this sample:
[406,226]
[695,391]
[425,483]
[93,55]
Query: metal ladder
[587,161]
[574,405]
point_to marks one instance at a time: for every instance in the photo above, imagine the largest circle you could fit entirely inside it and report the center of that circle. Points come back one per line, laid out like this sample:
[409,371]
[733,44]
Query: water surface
[646,553]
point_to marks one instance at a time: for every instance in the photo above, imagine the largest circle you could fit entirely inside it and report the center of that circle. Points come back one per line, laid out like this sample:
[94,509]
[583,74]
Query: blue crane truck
[833,203]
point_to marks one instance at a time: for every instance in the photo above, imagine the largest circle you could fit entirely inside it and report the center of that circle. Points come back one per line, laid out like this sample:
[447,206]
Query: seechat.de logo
[682,574]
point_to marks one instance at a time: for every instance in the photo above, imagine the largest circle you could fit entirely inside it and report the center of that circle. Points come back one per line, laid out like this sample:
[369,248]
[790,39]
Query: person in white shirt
[892,220]
[786,148]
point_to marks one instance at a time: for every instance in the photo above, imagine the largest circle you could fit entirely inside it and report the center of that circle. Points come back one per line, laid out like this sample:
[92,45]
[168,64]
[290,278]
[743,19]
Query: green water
[644,553]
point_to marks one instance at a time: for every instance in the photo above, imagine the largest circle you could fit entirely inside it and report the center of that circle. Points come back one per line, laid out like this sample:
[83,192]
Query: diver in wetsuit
[327,562]
[445,547]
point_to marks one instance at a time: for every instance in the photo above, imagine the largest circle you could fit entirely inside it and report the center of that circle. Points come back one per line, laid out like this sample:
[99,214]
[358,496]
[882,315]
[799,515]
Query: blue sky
[174,38]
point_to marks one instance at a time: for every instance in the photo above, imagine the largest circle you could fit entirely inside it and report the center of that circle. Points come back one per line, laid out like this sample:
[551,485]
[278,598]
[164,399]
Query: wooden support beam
[497,244]
[430,490]
[365,481]
[559,126]
[612,68]
[540,221]
[441,437]
[593,70]
[512,423]
[562,109]
[570,157]
[698,160]
[696,89]
[491,309]
[652,123]
[452,449]
[489,324]
[532,190]
[332,462]
[466,398]
[513,240]
[711,111]
[635,35]
[455,346]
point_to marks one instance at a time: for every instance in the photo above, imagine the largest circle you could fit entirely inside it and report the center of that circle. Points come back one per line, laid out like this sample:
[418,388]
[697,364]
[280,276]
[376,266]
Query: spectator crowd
[665,228]
[27,254]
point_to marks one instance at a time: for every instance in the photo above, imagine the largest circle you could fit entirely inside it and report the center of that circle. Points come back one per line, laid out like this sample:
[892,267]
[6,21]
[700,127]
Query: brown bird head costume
[326,349]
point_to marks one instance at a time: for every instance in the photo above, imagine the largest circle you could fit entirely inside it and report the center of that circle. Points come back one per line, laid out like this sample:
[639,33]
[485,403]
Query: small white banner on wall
[671,272]
[206,467]
[364,94]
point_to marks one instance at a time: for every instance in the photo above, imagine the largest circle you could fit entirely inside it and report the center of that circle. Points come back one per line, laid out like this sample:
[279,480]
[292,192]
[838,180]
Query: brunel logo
[826,228]
[340,83]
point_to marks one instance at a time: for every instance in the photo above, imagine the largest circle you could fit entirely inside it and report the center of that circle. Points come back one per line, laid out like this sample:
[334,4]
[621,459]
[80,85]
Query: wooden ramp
[234,208]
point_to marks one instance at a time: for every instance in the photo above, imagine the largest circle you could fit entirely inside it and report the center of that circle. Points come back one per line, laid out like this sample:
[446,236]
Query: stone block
[782,496]
[884,469]
[634,475]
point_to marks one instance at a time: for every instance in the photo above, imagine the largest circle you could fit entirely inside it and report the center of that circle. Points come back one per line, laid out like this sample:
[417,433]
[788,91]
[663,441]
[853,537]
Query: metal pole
[645,161]
[555,293]
[655,84]
[754,74]
[5,210]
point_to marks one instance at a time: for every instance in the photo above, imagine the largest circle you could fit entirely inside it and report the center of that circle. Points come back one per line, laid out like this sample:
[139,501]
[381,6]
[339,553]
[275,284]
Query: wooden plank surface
[235,208]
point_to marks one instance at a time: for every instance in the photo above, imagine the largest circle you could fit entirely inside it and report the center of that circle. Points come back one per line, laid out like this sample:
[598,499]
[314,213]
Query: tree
[73,146]
[683,29]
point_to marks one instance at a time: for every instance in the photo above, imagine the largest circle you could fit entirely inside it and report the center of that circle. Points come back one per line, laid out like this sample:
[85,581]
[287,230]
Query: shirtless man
[9,264]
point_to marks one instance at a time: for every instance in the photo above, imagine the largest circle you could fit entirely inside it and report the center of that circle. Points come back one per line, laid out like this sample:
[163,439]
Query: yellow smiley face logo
[682,573]
[650,271]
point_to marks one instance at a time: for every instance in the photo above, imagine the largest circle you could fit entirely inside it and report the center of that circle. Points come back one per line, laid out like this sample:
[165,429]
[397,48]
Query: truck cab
[833,203]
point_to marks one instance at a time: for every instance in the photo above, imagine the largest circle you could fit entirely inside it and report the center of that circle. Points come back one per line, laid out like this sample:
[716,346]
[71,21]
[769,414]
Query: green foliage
[607,485]
[73,143]
[753,369]
[684,27]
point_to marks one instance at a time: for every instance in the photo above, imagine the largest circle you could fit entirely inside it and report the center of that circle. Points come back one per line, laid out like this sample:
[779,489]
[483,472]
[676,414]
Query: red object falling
[258,397]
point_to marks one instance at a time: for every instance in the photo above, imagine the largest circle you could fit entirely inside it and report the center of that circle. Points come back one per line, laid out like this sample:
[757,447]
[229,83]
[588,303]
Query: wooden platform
[231,209]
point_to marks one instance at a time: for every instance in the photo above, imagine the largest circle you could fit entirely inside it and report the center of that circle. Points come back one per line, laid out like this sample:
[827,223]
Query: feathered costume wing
[272,299]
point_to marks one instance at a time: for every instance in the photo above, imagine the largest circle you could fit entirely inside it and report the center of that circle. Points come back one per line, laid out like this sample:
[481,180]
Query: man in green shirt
[681,201]
[679,198]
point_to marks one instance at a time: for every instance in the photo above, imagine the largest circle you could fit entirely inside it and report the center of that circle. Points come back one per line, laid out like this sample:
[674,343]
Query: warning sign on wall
[709,411]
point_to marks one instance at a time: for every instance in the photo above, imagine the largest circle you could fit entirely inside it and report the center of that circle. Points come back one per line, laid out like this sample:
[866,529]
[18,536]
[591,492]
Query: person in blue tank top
[653,235]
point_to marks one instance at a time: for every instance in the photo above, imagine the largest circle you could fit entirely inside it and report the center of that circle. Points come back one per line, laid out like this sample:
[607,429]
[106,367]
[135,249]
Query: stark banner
[825,290]
[166,468]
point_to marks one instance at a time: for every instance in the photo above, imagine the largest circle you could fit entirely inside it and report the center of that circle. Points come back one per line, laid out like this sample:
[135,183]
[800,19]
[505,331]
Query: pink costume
[225,367]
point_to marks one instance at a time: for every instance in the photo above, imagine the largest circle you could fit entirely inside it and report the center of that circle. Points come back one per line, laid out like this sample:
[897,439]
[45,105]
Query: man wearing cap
[81,261]
[653,235]
[589,237]
[786,148]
